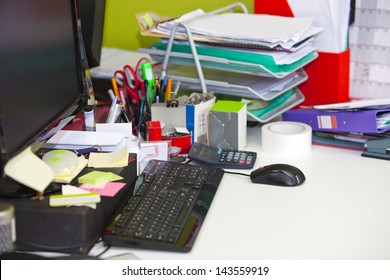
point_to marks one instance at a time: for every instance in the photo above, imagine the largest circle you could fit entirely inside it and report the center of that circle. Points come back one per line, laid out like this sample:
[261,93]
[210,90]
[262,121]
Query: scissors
[129,81]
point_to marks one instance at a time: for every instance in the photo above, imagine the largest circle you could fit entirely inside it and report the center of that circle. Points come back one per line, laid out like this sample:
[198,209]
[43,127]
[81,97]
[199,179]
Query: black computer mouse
[278,174]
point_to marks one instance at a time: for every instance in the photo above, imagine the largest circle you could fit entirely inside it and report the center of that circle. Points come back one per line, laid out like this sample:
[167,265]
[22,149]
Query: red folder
[328,75]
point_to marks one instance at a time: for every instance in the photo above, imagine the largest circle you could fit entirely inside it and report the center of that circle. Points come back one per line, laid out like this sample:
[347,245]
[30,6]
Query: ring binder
[338,121]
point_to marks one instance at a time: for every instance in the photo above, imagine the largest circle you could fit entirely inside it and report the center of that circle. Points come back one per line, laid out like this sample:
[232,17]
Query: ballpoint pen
[163,83]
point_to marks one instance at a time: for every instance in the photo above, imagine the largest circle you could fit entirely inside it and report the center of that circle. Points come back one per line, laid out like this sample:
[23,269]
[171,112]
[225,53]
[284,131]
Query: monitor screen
[40,71]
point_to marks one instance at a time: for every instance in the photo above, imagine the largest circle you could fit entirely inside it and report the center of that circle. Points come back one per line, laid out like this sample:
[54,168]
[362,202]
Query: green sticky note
[97,177]
[228,106]
[148,19]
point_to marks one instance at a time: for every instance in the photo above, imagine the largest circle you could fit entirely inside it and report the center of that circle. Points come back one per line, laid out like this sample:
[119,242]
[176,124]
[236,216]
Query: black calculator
[224,158]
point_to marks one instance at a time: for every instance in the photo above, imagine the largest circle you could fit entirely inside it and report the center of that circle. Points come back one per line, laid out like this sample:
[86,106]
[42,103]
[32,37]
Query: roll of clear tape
[286,138]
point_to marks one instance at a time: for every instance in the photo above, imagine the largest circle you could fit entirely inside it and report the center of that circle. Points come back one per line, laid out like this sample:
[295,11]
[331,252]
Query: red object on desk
[154,130]
[328,75]
[183,142]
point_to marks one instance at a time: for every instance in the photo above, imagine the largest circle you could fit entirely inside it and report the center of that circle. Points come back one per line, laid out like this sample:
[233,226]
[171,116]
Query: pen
[114,111]
[163,83]
[157,83]
[125,114]
[176,90]
[111,94]
[122,96]
[115,88]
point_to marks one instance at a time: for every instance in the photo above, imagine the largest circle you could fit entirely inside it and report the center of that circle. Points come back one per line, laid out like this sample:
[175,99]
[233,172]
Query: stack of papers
[251,29]
[252,56]
[237,84]
[264,45]
[259,62]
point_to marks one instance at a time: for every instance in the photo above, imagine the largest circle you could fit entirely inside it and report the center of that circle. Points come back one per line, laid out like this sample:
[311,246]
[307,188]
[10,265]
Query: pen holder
[171,116]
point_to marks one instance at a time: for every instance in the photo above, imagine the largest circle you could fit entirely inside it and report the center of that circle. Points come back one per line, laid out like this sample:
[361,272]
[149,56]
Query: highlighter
[168,90]
[147,73]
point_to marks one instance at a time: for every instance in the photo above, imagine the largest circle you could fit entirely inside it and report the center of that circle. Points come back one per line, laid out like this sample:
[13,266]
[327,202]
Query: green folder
[236,55]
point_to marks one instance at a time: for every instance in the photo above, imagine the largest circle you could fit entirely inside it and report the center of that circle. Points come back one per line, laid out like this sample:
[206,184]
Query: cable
[229,172]
[237,173]
[104,251]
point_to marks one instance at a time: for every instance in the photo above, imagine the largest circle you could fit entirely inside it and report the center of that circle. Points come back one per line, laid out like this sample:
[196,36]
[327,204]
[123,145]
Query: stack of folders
[247,55]
[346,125]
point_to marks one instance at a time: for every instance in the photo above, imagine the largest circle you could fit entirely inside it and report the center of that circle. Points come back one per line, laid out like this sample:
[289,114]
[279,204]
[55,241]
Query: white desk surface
[342,211]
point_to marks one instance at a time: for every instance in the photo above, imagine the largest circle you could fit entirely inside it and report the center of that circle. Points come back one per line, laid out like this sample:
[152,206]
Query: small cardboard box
[197,116]
[227,125]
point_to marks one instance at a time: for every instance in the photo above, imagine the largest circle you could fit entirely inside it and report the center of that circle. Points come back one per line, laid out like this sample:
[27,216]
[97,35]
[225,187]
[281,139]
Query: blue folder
[338,121]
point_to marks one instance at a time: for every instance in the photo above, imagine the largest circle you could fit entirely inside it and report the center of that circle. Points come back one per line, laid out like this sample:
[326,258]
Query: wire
[237,173]
[229,172]
[104,251]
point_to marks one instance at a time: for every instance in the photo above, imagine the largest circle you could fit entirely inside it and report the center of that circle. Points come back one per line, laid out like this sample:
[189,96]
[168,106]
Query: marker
[147,73]
[168,90]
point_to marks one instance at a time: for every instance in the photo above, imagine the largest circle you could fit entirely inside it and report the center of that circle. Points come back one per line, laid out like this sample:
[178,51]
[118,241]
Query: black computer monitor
[41,80]
[92,25]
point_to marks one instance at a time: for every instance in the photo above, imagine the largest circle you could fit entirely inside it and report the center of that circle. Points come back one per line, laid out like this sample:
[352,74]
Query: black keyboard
[167,209]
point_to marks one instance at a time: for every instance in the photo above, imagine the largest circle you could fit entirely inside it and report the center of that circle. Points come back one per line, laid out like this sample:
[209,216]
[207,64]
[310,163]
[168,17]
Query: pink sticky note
[104,189]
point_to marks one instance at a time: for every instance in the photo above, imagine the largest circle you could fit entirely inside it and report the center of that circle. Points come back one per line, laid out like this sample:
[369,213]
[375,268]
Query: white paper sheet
[71,140]
[332,15]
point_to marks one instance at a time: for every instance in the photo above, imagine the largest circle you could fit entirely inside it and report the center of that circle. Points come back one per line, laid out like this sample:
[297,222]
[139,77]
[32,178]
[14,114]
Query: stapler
[377,148]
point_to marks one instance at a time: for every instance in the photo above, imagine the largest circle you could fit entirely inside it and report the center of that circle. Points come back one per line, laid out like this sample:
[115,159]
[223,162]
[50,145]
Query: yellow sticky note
[97,177]
[148,20]
[118,158]
[74,199]
[30,170]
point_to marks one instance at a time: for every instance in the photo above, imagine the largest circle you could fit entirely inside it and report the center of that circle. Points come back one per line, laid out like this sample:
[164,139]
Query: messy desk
[339,212]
